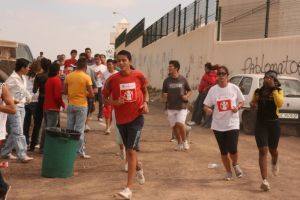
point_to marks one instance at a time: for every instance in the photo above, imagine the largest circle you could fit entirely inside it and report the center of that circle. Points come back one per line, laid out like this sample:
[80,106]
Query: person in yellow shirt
[78,86]
[268,99]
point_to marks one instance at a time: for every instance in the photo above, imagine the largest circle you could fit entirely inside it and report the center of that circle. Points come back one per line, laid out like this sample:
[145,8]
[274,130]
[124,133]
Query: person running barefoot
[268,99]
[127,92]
[227,99]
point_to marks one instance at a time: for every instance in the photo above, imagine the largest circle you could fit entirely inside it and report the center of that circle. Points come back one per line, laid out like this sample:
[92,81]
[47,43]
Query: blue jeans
[50,120]
[76,117]
[198,113]
[16,138]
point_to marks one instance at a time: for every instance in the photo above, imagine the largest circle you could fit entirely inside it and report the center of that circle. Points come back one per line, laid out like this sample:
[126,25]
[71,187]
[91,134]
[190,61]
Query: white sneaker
[275,169]
[265,186]
[126,167]
[238,171]
[87,128]
[140,176]
[179,147]
[186,145]
[228,176]
[191,123]
[126,193]
[85,156]
[107,131]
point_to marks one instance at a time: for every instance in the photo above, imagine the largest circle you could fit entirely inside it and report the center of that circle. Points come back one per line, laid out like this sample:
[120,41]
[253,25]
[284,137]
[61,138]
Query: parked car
[289,113]
[9,52]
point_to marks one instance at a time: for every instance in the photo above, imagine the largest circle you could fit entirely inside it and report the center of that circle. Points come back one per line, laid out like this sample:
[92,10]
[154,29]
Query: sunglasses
[221,73]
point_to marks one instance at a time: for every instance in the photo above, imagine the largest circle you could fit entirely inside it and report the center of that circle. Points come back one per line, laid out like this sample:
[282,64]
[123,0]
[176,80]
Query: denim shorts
[131,132]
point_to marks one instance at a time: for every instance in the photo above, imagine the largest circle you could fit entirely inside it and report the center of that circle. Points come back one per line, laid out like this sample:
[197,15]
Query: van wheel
[248,121]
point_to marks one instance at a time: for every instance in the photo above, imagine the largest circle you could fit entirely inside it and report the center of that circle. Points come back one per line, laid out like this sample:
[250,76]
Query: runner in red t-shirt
[127,92]
[69,63]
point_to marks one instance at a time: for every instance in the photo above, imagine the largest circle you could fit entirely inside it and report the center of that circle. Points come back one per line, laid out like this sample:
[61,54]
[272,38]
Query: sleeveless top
[3,118]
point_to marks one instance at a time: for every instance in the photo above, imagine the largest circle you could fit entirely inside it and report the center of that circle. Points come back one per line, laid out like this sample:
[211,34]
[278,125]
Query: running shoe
[265,186]
[140,176]
[275,169]
[191,123]
[87,128]
[186,145]
[126,193]
[179,147]
[228,176]
[238,171]
[9,156]
[85,156]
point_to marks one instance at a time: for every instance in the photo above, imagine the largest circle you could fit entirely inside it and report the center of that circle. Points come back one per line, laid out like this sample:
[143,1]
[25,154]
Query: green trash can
[60,151]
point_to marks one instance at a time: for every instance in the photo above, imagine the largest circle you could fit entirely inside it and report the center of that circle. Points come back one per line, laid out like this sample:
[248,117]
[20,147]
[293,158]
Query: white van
[289,112]
[9,52]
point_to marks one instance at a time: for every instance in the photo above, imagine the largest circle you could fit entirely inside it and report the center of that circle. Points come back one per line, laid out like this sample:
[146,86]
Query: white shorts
[177,116]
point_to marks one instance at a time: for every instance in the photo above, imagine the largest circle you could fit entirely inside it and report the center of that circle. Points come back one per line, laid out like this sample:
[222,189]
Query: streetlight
[118,13]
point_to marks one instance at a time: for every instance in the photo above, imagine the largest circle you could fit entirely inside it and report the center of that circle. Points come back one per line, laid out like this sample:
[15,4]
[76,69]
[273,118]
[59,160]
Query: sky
[58,26]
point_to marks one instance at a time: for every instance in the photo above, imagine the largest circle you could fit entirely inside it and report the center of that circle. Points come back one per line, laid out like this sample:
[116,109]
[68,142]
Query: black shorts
[131,132]
[267,133]
[227,141]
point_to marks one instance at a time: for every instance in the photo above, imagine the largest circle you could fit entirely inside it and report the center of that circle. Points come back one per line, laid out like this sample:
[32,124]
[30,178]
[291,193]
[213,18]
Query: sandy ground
[169,175]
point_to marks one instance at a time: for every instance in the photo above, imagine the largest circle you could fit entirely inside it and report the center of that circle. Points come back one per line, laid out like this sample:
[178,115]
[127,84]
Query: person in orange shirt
[78,86]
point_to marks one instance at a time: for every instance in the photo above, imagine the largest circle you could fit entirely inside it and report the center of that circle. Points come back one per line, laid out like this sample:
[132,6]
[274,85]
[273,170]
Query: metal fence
[260,19]
[120,39]
[196,14]
[136,32]
[165,25]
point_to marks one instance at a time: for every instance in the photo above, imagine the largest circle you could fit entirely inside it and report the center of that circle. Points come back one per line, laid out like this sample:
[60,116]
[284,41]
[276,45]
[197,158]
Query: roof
[6,43]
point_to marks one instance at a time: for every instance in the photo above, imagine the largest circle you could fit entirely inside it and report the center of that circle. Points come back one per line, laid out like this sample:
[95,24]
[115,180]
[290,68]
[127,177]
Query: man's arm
[10,107]
[90,92]
[144,108]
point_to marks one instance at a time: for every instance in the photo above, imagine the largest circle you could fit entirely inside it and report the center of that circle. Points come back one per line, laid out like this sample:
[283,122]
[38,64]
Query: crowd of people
[35,90]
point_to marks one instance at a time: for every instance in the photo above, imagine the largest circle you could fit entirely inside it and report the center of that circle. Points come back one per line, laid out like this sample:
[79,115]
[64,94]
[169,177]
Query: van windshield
[291,88]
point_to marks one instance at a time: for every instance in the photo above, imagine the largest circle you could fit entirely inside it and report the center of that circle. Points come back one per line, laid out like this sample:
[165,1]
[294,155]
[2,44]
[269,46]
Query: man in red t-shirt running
[70,63]
[127,92]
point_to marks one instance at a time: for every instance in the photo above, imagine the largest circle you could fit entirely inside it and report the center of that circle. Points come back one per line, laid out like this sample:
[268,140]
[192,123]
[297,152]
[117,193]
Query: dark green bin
[60,151]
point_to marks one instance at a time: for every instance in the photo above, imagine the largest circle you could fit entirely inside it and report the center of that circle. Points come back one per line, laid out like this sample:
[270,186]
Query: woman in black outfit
[268,99]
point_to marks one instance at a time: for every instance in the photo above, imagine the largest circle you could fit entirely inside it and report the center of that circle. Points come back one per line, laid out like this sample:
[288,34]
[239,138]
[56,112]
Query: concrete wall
[200,46]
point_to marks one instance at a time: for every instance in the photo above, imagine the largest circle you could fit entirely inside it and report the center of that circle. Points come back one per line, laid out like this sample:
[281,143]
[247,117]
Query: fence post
[167,28]
[184,20]
[179,20]
[161,27]
[217,10]
[174,22]
[195,15]
[219,23]
[206,12]
[267,19]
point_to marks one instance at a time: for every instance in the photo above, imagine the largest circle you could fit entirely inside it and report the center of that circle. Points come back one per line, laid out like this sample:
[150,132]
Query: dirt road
[169,175]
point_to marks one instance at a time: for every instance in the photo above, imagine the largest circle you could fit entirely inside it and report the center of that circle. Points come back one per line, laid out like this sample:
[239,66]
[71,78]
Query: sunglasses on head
[221,73]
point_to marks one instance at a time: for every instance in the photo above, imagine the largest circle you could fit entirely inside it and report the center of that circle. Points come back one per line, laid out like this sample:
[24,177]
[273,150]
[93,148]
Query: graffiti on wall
[287,66]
